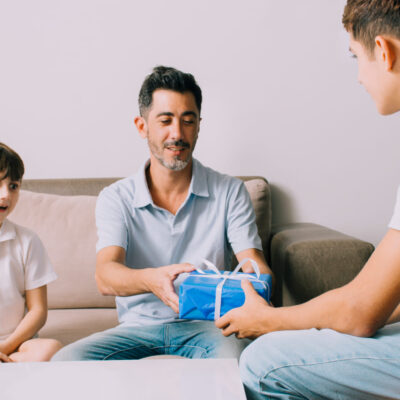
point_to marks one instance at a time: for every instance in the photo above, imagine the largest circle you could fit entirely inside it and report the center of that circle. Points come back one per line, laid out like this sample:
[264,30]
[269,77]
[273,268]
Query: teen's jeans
[192,339]
[325,364]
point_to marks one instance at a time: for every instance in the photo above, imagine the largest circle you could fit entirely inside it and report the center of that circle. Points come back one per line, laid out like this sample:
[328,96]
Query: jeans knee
[230,347]
[246,366]
[256,361]
[71,352]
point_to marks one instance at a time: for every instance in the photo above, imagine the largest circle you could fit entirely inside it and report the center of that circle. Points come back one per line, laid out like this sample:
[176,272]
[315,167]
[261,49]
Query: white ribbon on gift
[229,275]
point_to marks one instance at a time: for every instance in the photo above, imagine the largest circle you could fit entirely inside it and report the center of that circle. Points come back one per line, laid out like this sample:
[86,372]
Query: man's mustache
[177,143]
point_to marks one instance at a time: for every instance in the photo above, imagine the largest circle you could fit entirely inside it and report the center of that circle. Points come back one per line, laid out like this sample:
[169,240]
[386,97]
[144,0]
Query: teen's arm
[395,317]
[359,308]
[34,319]
[115,278]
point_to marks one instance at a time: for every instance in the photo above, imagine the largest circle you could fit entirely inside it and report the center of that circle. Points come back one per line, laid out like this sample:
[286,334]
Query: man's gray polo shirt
[216,218]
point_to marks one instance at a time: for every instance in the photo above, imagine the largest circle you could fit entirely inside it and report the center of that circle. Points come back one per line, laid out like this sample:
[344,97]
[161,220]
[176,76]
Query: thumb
[189,267]
[248,288]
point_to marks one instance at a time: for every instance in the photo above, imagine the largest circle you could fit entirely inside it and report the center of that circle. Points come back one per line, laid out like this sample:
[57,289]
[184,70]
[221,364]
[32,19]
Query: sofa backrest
[61,212]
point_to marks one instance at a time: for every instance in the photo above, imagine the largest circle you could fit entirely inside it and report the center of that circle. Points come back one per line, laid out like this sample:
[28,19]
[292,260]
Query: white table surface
[164,379]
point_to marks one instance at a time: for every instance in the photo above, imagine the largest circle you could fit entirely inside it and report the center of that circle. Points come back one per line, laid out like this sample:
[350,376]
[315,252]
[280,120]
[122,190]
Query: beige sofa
[306,258]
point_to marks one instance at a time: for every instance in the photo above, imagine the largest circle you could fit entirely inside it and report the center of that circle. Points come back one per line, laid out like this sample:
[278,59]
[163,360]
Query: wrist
[147,279]
[269,320]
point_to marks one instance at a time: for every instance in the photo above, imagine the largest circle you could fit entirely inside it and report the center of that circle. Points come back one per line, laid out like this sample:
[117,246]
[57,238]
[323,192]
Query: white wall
[281,98]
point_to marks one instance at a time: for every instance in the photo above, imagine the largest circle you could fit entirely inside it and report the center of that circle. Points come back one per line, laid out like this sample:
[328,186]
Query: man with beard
[162,222]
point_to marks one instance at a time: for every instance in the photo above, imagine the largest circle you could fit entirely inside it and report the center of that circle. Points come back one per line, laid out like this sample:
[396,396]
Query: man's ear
[141,126]
[386,52]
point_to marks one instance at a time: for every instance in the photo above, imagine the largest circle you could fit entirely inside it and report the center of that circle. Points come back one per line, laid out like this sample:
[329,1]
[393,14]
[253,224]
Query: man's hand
[160,281]
[248,320]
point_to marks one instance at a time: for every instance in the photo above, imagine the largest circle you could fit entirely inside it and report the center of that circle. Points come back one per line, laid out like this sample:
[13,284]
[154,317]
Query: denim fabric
[325,364]
[191,339]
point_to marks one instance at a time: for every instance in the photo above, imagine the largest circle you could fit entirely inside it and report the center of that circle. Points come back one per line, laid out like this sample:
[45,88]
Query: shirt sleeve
[242,230]
[38,268]
[395,221]
[110,220]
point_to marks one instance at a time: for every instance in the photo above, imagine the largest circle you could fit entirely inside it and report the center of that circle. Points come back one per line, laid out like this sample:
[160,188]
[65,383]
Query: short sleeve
[38,268]
[395,221]
[110,220]
[242,230]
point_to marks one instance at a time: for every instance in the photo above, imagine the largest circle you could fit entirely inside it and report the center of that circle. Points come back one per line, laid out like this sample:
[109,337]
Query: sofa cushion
[260,195]
[73,324]
[66,226]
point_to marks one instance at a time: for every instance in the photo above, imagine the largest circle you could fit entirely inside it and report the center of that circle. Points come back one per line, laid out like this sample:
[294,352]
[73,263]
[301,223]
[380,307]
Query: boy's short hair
[11,163]
[170,79]
[366,19]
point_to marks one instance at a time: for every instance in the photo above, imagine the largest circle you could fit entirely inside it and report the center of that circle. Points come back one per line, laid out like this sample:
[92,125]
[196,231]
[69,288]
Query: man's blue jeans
[192,339]
[325,364]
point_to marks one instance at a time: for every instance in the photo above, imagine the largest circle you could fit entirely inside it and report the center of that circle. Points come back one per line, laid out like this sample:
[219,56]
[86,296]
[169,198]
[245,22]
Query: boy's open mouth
[3,208]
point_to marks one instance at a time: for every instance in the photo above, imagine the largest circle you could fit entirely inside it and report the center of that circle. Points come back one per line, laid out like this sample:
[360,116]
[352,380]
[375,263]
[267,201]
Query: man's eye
[165,121]
[188,121]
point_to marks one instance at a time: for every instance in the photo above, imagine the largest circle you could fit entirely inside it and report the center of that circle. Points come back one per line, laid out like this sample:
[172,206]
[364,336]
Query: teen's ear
[386,52]
[141,126]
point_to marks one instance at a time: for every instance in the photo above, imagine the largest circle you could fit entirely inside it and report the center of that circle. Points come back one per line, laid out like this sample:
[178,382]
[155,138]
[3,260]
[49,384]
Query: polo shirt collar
[198,184]
[142,193]
[7,231]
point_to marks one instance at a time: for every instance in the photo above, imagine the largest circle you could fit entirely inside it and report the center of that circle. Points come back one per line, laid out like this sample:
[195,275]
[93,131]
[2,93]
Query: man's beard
[176,164]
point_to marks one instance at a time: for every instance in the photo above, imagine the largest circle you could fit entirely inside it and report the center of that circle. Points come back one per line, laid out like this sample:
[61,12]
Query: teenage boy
[344,344]
[25,270]
[156,225]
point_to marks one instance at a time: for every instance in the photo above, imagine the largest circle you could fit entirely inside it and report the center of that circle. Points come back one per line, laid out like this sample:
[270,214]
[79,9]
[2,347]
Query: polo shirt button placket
[171,221]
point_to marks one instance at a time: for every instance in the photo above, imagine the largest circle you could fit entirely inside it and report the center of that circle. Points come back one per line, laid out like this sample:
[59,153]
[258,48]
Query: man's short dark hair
[170,79]
[366,19]
[11,163]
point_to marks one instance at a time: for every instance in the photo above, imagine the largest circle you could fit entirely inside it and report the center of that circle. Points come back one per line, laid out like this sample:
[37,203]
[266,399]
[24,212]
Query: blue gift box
[197,293]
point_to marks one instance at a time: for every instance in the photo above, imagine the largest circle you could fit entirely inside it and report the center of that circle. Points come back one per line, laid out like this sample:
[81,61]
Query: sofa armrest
[310,259]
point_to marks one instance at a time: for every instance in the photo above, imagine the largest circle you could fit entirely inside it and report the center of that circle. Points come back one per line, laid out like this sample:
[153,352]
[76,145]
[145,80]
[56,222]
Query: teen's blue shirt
[216,218]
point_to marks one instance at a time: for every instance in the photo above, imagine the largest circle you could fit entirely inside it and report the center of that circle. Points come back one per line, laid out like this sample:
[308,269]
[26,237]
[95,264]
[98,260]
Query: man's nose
[177,131]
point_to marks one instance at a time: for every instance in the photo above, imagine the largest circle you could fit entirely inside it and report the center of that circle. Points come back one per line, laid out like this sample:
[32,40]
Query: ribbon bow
[229,275]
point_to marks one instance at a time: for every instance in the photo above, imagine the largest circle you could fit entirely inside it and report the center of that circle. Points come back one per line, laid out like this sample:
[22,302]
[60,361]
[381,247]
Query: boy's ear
[141,126]
[386,52]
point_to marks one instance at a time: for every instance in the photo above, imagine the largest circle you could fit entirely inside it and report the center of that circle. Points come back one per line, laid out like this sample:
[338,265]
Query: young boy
[25,271]
[344,344]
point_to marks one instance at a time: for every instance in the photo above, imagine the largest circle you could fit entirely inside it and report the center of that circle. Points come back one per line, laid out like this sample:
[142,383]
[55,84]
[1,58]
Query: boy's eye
[14,186]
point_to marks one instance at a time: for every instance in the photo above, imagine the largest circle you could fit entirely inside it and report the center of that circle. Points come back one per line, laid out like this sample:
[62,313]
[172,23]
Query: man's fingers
[174,307]
[189,267]
[178,269]
[172,299]
[185,267]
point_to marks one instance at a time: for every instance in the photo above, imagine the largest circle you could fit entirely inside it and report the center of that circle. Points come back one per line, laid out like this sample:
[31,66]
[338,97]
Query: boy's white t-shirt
[395,221]
[24,265]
